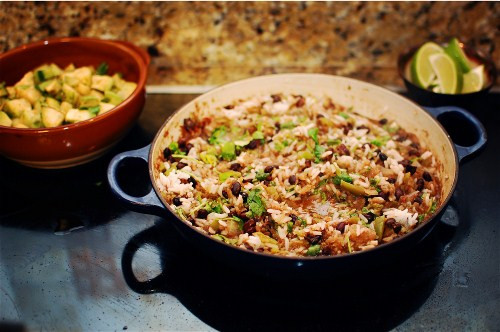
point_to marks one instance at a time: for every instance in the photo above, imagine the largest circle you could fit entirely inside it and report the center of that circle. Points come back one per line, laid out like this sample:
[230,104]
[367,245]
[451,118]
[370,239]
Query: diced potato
[126,90]
[56,70]
[53,86]
[5,120]
[11,92]
[32,118]
[70,94]
[51,117]
[29,93]
[98,94]
[89,101]
[70,79]
[16,107]
[70,67]
[102,83]
[76,115]
[104,107]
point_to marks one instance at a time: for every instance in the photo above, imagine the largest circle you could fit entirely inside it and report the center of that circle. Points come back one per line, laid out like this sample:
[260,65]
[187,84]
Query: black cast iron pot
[367,99]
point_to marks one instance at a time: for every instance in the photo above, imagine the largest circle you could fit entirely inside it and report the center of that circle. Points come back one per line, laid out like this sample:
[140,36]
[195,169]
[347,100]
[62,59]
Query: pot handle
[149,203]
[463,151]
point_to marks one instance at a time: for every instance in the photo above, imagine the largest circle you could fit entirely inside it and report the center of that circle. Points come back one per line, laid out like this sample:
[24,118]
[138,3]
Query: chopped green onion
[102,69]
[313,250]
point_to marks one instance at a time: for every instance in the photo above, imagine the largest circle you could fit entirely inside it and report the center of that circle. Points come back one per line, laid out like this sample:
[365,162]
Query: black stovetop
[63,236]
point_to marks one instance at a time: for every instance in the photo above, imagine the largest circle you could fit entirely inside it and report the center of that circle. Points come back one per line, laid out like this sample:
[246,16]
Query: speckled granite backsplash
[209,43]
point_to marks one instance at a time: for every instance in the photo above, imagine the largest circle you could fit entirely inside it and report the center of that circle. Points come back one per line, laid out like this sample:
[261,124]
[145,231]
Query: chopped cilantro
[313,133]
[228,151]
[258,135]
[226,175]
[255,203]
[313,250]
[278,146]
[289,226]
[344,115]
[217,208]
[174,147]
[102,69]
[95,109]
[40,75]
[239,221]
[303,222]
[287,125]
[376,143]
[365,209]
[421,217]
[318,151]
[433,207]
[261,175]
[331,142]
[342,177]
[305,155]
[217,134]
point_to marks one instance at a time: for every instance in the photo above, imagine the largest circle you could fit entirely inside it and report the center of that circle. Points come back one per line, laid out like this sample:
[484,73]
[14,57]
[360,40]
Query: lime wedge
[473,80]
[457,53]
[449,77]
[422,73]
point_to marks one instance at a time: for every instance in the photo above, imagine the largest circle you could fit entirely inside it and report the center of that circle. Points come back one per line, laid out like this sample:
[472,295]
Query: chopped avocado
[32,118]
[56,70]
[16,107]
[102,83]
[98,94]
[75,115]
[65,107]
[84,75]
[52,87]
[29,93]
[83,89]
[43,73]
[5,120]
[105,107]
[70,79]
[89,101]
[52,103]
[70,94]
[26,80]
[51,117]
[127,89]
[112,98]
[17,123]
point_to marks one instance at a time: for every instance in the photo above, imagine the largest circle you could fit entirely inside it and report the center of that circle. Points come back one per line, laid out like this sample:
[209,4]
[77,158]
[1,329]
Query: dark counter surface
[63,234]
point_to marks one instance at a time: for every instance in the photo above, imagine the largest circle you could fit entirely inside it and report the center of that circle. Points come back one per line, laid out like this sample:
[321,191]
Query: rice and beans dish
[298,176]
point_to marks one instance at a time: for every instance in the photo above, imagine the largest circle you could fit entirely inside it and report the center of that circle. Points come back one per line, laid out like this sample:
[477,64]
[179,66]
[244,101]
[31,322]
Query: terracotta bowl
[78,143]
[429,98]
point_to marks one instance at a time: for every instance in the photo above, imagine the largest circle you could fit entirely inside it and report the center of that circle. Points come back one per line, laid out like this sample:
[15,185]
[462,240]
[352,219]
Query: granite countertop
[211,43]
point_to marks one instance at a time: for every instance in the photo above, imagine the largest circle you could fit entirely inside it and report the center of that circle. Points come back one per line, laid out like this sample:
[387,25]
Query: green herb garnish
[174,147]
[217,134]
[313,250]
[287,125]
[102,69]
[228,151]
[255,203]
[261,175]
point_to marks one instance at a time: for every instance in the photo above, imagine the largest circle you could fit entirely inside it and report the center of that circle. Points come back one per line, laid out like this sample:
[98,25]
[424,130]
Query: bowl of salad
[449,74]
[66,101]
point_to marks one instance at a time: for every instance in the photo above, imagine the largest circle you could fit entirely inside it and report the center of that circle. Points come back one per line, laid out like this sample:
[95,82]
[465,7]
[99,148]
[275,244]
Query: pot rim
[378,248]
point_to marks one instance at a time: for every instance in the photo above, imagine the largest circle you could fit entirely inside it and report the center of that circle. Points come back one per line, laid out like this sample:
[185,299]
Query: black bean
[415,146]
[193,181]
[253,144]
[308,163]
[189,146]
[391,222]
[244,196]
[229,107]
[413,152]
[405,162]
[235,167]
[382,121]
[236,188]
[277,126]
[249,226]
[343,150]
[301,102]
[319,116]
[181,165]
[167,153]
[427,176]
[202,214]
[370,216]
[363,127]
[176,201]
[382,156]
[391,180]
[418,200]
[397,228]
[420,184]
[341,227]
[224,193]
[268,169]
[398,193]
[294,217]
[276,98]
[313,239]
[292,179]
[411,169]
[384,195]
[189,124]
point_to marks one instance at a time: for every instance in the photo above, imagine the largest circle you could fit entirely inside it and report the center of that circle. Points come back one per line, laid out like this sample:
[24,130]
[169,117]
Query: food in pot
[298,176]
[49,96]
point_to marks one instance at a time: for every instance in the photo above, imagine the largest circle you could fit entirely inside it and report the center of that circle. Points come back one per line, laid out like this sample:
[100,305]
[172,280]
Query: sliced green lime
[473,80]
[455,50]
[422,73]
[449,77]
